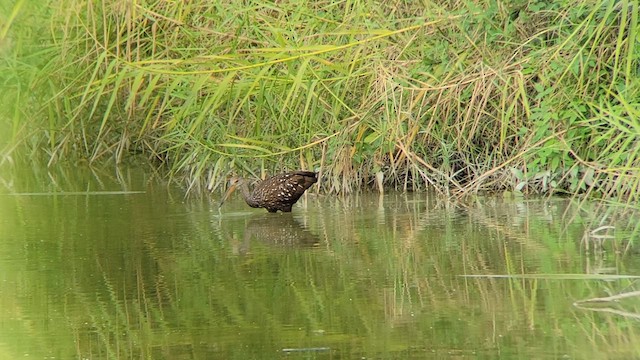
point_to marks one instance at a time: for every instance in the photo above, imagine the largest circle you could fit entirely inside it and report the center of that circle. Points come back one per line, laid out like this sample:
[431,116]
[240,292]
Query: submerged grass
[533,97]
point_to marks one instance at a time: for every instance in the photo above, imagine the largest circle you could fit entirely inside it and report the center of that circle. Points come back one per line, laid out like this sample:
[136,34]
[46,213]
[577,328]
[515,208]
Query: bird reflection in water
[284,231]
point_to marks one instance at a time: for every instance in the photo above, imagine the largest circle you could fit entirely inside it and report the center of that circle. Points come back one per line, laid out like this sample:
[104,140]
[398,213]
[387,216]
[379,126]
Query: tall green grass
[462,96]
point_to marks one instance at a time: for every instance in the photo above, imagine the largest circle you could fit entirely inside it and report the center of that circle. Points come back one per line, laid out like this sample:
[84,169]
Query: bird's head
[234,182]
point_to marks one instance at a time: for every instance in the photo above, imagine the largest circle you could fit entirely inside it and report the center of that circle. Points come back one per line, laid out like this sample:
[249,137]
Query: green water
[103,264]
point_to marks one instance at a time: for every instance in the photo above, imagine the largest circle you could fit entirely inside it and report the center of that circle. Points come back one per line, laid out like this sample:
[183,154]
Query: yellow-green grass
[462,96]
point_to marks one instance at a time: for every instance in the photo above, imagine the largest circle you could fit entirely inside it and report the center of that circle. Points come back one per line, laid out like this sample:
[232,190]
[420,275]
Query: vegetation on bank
[462,96]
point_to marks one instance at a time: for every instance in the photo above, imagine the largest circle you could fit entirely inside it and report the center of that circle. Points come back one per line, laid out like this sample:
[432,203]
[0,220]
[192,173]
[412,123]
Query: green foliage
[538,96]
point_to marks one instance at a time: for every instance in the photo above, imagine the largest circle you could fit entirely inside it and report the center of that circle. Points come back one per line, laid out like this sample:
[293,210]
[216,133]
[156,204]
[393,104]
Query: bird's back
[281,191]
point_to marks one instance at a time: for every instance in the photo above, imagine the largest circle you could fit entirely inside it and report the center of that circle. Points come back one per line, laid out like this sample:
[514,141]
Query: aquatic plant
[535,97]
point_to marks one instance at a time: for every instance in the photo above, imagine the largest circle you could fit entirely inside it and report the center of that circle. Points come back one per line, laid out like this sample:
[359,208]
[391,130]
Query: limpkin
[278,192]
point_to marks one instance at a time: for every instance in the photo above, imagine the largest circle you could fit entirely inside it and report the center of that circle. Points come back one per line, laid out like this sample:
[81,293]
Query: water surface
[96,264]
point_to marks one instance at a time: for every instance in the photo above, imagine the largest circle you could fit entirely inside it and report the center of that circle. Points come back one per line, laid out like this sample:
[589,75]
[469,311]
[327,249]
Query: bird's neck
[246,195]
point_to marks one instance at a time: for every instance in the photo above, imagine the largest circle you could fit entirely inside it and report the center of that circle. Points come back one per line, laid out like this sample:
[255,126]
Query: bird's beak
[230,190]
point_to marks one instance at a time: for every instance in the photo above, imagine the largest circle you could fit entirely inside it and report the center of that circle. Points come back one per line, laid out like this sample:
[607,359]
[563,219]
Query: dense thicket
[536,96]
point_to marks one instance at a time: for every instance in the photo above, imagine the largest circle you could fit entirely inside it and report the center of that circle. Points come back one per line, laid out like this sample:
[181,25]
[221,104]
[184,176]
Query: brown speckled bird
[278,192]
